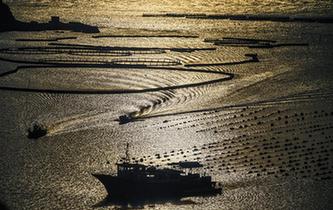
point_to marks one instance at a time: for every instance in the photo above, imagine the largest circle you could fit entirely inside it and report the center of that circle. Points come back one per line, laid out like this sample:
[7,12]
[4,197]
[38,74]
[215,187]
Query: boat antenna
[127,156]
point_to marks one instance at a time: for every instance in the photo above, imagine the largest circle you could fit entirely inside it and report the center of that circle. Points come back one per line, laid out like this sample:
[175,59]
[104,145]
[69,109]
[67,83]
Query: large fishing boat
[135,181]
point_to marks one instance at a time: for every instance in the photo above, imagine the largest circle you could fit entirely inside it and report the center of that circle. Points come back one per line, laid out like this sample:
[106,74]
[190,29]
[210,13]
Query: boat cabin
[140,171]
[124,168]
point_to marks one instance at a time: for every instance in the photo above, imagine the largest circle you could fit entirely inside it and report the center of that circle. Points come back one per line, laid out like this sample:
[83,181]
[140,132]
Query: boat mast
[127,156]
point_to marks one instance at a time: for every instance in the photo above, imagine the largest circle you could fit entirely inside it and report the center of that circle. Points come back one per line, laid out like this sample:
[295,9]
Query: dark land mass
[9,23]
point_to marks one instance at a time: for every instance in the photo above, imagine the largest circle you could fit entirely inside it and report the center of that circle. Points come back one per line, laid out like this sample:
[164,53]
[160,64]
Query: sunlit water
[266,135]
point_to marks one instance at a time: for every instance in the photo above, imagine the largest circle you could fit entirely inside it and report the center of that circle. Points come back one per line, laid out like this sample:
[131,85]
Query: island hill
[9,23]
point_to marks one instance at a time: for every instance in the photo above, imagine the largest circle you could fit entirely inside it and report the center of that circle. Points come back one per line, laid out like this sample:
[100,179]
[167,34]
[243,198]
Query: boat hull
[149,189]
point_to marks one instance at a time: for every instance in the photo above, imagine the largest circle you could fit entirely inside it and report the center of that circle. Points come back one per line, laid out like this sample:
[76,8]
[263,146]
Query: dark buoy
[36,131]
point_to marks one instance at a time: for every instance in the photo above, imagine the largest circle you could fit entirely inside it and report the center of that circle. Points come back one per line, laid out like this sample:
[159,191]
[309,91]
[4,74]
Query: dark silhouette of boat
[3,206]
[123,119]
[9,23]
[36,131]
[138,182]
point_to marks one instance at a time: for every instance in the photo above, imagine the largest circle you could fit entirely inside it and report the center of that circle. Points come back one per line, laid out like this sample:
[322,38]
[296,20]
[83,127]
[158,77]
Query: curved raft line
[78,51]
[85,46]
[60,47]
[229,76]
[253,58]
[122,63]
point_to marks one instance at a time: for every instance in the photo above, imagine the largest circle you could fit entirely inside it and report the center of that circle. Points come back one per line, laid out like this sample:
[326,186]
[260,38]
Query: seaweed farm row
[97,50]
[247,17]
[251,43]
[46,58]
[280,140]
[56,39]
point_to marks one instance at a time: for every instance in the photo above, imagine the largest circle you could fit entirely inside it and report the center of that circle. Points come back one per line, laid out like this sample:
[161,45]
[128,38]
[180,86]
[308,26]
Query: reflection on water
[263,129]
[139,205]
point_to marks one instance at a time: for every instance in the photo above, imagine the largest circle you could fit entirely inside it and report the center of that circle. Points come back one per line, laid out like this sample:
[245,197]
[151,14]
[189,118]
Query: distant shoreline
[9,23]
